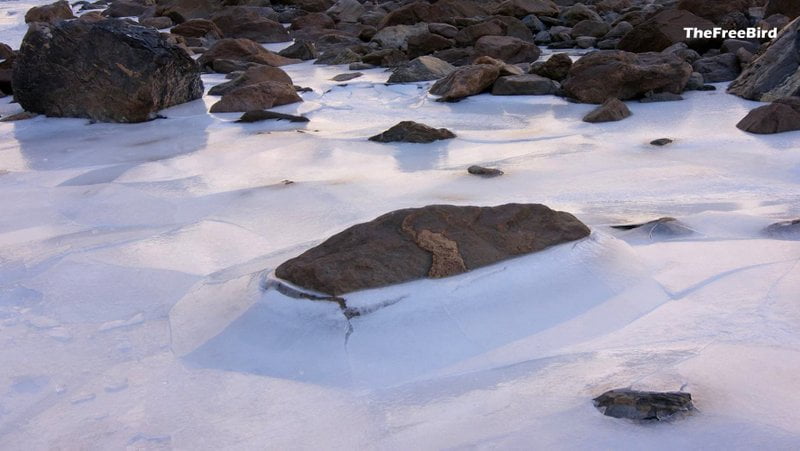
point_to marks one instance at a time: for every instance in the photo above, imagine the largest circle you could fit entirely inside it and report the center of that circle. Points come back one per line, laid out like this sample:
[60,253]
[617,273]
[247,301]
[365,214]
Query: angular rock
[528,84]
[555,68]
[251,76]
[782,115]
[249,23]
[261,115]
[301,50]
[110,70]
[611,110]
[423,68]
[508,49]
[612,73]
[664,30]
[427,43]
[433,241]
[465,81]
[643,405]
[259,96]
[413,132]
[52,13]
[715,69]
[242,50]
[775,73]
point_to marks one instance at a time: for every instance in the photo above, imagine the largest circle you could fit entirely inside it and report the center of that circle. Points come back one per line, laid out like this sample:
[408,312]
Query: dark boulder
[250,23]
[577,13]
[466,81]
[714,10]
[508,49]
[715,69]
[786,230]
[413,132]
[782,115]
[661,142]
[611,110]
[527,84]
[643,405]
[52,13]
[665,29]
[251,76]
[242,50]
[612,73]
[484,172]
[261,115]
[258,96]
[301,50]
[522,8]
[125,8]
[434,241]
[788,8]
[182,10]
[555,68]
[198,28]
[775,73]
[110,70]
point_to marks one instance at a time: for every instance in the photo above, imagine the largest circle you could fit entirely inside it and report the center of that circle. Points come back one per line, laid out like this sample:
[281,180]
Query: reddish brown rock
[242,50]
[465,81]
[782,115]
[52,13]
[259,96]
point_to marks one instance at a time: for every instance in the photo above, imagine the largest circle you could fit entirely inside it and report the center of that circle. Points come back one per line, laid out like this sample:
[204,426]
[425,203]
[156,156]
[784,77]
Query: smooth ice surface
[137,305]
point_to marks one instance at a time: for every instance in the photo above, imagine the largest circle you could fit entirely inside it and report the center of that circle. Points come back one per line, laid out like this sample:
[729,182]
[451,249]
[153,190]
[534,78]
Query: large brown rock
[258,96]
[434,241]
[663,30]
[242,50]
[775,73]
[249,23]
[251,76]
[413,132]
[52,13]
[643,405]
[109,70]
[198,28]
[611,110]
[714,10]
[508,49]
[441,11]
[183,10]
[789,8]
[603,74]
[522,8]
[783,115]
[465,81]
[555,68]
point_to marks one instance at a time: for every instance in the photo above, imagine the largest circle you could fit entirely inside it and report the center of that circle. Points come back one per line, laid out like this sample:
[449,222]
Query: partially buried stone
[485,172]
[413,132]
[666,226]
[643,405]
[346,77]
[260,115]
[661,142]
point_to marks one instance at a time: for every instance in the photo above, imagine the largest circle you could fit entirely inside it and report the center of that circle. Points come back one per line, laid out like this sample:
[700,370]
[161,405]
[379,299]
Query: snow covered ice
[134,260]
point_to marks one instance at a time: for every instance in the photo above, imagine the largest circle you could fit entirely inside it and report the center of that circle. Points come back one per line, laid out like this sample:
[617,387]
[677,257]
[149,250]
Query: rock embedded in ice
[656,97]
[775,72]
[787,230]
[610,111]
[643,405]
[52,13]
[485,172]
[613,73]
[666,226]
[346,76]
[432,241]
[111,71]
[783,115]
[661,142]
[465,81]
[413,132]
[265,94]
[260,115]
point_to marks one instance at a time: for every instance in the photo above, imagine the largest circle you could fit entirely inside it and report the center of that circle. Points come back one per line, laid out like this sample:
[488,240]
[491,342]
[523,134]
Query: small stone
[661,142]
[661,97]
[484,172]
[643,405]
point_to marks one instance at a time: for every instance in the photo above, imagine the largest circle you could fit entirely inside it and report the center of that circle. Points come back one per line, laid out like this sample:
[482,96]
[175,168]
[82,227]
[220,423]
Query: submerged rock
[413,132]
[433,241]
[611,110]
[261,115]
[643,405]
[109,70]
[484,172]
[786,230]
[346,76]
[668,227]
[783,115]
[612,73]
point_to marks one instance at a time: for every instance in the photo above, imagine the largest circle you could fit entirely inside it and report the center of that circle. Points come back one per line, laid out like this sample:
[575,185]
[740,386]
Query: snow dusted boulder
[776,71]
[434,241]
[111,71]
[643,405]
[623,75]
[52,13]
[781,116]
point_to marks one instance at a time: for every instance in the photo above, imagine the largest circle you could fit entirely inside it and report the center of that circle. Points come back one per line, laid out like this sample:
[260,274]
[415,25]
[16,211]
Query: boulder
[600,75]
[577,13]
[111,70]
[775,73]
[528,84]
[782,115]
[313,20]
[555,68]
[788,8]
[423,68]
[159,23]
[611,110]
[438,12]
[413,132]
[508,49]
[592,28]
[52,13]
[665,227]
[259,96]
[125,8]
[251,76]
[465,81]
[346,76]
[397,36]
[434,241]
[427,43]
[714,10]
[715,69]
[198,28]
[522,8]
[643,405]
[182,10]
[242,50]
[663,30]
[261,115]
[346,10]
[301,50]
[250,23]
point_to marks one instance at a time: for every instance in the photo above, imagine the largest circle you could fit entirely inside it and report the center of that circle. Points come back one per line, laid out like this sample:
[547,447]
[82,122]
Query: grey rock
[423,68]
[643,405]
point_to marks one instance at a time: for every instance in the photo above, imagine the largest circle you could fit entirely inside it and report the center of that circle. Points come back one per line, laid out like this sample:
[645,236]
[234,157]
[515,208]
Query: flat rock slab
[259,115]
[413,132]
[643,405]
[433,241]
